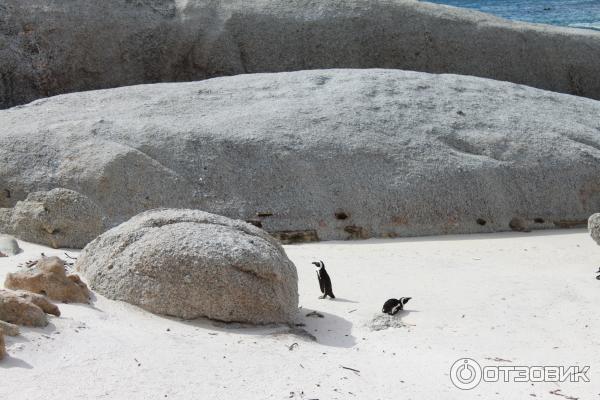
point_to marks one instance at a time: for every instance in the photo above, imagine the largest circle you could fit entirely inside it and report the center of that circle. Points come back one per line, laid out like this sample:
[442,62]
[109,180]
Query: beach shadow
[13,362]
[328,329]
[342,300]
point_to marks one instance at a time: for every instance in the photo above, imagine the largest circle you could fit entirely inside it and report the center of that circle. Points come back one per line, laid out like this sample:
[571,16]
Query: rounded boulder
[191,264]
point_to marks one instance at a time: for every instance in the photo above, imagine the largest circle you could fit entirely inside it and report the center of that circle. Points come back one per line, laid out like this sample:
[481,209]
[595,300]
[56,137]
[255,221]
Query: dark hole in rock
[264,214]
[341,215]
[518,225]
[539,220]
[7,193]
[481,221]
[43,292]
[255,222]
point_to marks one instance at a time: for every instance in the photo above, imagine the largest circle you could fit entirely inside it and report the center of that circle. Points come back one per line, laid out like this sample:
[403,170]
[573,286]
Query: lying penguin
[392,306]
[324,280]
[598,272]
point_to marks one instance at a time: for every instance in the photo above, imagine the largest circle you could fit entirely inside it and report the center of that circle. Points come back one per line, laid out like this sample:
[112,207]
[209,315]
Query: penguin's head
[404,300]
[318,264]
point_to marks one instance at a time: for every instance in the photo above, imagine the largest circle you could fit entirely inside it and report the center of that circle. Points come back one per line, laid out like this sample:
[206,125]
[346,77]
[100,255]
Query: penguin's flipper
[321,284]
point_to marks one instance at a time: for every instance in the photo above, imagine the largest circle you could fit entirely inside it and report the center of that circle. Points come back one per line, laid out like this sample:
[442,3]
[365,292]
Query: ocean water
[573,13]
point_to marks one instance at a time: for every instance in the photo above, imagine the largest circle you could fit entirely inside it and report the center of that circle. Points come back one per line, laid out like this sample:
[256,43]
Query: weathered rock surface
[25,308]
[310,155]
[191,264]
[57,218]
[8,329]
[49,278]
[9,245]
[594,227]
[56,47]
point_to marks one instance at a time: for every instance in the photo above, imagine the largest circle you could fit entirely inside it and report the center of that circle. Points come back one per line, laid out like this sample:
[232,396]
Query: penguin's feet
[322,297]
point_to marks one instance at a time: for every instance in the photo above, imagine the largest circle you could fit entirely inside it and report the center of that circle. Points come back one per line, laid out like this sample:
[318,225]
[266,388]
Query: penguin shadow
[326,329]
[342,300]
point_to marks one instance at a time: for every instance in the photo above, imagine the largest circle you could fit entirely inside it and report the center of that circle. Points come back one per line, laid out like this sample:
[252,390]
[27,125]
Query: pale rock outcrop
[318,155]
[54,47]
[192,264]
[594,227]
[25,308]
[49,278]
[56,218]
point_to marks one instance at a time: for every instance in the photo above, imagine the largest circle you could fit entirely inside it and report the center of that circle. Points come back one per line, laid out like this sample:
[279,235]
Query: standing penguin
[392,306]
[324,280]
[598,277]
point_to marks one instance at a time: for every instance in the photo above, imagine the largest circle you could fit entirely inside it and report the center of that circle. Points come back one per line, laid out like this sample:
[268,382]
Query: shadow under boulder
[191,264]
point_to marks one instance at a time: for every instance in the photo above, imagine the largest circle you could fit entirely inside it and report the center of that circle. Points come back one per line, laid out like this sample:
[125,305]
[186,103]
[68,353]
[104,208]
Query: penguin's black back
[389,305]
[325,282]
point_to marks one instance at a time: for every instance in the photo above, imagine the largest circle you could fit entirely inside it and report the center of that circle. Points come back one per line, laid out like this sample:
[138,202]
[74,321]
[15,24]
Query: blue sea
[573,13]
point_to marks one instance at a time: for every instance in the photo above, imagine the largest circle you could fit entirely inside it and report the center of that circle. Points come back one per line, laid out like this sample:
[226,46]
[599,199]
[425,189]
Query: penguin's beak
[316,264]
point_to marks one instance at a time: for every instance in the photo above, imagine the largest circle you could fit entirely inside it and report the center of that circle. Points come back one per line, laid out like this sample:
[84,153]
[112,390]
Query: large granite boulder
[191,264]
[53,46]
[57,218]
[311,155]
[594,227]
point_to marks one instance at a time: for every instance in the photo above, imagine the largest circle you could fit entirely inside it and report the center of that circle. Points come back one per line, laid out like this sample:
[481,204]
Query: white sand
[529,298]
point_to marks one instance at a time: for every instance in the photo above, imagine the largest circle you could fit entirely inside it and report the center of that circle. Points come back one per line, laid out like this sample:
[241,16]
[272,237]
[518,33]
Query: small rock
[9,329]
[9,246]
[50,279]
[24,308]
[315,314]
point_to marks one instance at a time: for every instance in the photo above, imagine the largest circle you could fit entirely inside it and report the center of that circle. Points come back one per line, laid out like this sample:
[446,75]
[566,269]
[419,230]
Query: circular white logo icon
[465,373]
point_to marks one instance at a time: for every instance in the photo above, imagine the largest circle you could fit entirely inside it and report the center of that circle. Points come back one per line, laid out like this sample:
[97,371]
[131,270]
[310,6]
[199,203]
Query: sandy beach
[504,299]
